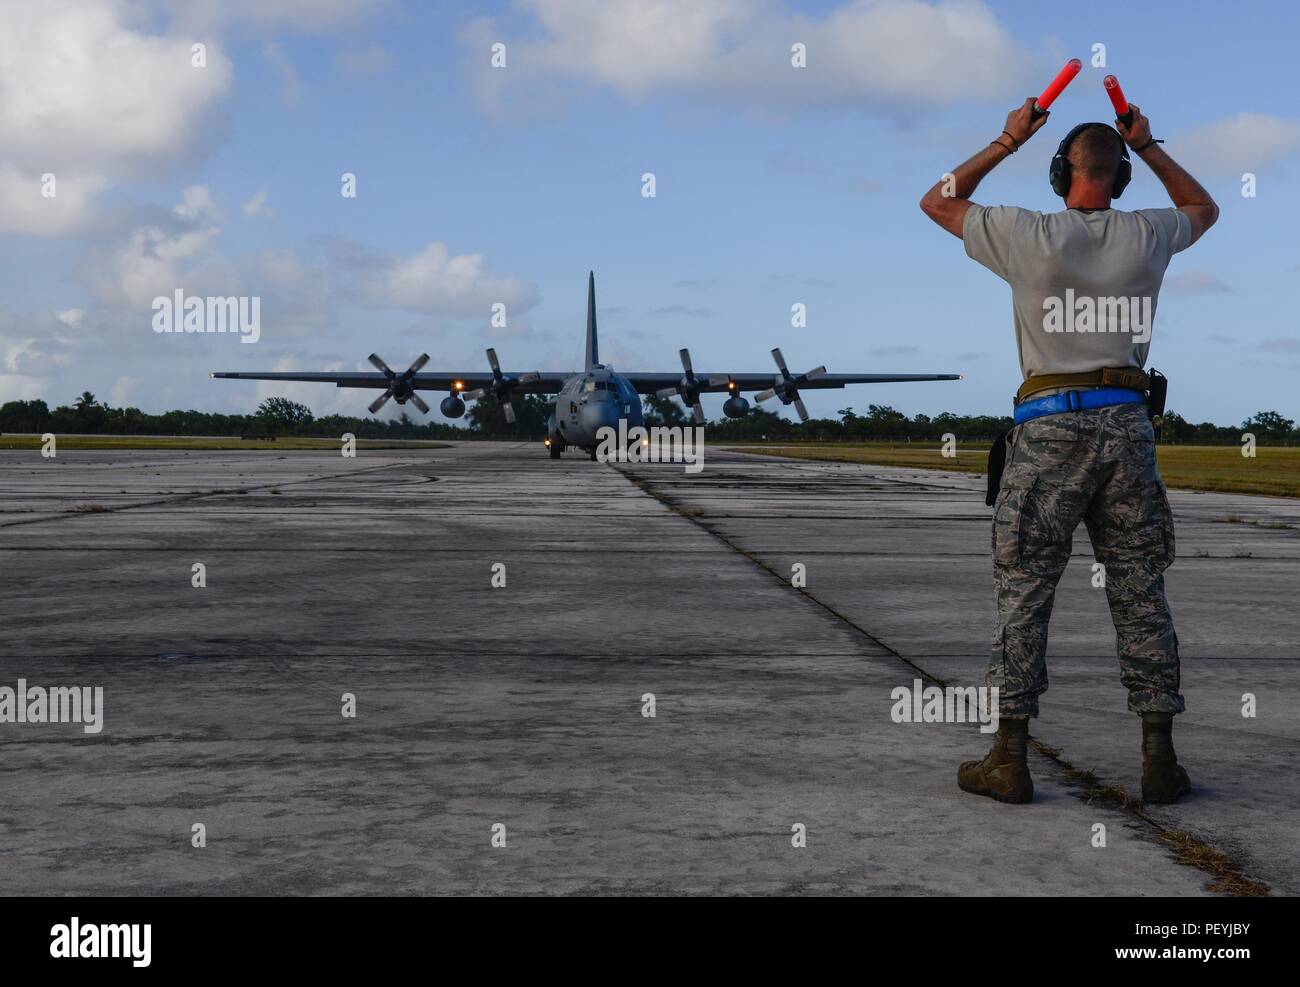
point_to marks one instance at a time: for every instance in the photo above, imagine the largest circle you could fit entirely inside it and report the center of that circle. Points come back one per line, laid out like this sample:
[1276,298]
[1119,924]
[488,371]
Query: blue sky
[479,184]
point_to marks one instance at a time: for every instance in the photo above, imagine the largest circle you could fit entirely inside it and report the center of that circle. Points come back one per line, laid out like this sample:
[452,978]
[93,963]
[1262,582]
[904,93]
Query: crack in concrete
[1188,849]
[195,495]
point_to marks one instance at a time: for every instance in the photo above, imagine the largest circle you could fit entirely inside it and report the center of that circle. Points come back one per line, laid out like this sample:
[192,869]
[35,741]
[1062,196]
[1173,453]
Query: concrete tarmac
[516,713]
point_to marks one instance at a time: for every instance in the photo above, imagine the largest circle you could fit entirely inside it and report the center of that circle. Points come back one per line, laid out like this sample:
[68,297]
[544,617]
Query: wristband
[1013,141]
[1150,143]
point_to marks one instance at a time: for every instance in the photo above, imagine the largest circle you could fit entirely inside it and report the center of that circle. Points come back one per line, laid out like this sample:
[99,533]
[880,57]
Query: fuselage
[591,401]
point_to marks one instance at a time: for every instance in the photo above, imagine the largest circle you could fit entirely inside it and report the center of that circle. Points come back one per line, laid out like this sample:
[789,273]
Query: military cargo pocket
[1053,446]
[1141,430]
[1141,436]
[1052,428]
[1167,529]
[1008,513]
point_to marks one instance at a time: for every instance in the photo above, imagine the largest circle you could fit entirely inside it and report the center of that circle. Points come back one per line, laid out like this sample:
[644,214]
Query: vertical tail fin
[593,352]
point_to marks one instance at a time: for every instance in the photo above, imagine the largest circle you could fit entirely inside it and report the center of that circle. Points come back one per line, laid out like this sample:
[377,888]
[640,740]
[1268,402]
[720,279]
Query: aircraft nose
[598,415]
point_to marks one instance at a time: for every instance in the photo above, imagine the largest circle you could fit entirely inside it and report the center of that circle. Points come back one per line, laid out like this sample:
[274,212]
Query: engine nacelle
[452,406]
[735,407]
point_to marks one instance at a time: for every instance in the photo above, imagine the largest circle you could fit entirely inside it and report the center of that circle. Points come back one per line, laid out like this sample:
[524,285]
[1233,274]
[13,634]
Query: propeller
[688,387]
[502,386]
[399,385]
[786,386]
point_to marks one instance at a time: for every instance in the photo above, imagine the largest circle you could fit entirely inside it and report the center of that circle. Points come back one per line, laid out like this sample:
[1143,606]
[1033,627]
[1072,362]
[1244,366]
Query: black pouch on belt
[1156,393]
[997,463]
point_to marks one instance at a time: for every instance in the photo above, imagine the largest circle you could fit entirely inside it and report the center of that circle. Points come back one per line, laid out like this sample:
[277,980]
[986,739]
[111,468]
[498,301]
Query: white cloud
[256,206]
[154,261]
[35,348]
[634,46]
[196,205]
[147,262]
[24,208]
[322,401]
[91,100]
[1247,142]
[123,392]
[874,52]
[298,298]
[300,15]
[20,354]
[435,280]
[96,94]
[16,387]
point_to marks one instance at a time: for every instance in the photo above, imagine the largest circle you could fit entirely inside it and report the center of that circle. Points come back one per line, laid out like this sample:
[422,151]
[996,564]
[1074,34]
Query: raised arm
[1189,196]
[946,203]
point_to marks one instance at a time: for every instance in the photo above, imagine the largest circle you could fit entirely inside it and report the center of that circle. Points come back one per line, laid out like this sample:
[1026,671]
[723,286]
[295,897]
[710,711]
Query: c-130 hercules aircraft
[593,399]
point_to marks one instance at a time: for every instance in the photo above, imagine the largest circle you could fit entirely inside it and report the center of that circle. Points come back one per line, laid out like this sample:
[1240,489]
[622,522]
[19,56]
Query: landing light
[548,442]
[458,386]
[645,442]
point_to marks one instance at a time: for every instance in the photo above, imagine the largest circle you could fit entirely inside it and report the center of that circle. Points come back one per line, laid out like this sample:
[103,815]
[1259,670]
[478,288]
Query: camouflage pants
[1099,467]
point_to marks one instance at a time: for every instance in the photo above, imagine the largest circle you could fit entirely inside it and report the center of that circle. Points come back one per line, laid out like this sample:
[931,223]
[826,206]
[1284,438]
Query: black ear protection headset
[1059,170]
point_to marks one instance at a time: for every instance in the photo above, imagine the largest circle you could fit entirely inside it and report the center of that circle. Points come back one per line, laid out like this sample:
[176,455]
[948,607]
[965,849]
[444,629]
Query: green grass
[1275,470]
[198,443]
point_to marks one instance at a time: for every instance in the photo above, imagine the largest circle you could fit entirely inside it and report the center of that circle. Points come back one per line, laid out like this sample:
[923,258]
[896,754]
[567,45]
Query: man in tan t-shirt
[1084,286]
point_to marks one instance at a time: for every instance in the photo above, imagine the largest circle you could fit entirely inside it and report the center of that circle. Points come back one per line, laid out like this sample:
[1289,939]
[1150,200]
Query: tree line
[486,420]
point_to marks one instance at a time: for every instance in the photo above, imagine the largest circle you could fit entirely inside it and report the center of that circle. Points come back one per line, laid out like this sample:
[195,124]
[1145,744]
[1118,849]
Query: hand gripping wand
[1117,100]
[1054,88]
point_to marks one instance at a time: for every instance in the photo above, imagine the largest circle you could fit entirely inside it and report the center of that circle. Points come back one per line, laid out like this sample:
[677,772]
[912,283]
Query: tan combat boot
[1163,778]
[1004,772]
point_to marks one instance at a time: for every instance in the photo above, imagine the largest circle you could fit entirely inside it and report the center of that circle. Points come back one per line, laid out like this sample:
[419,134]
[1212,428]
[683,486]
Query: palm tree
[85,402]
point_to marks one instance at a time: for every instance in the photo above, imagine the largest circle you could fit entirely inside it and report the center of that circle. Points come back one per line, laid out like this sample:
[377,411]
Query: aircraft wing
[438,381]
[709,383]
